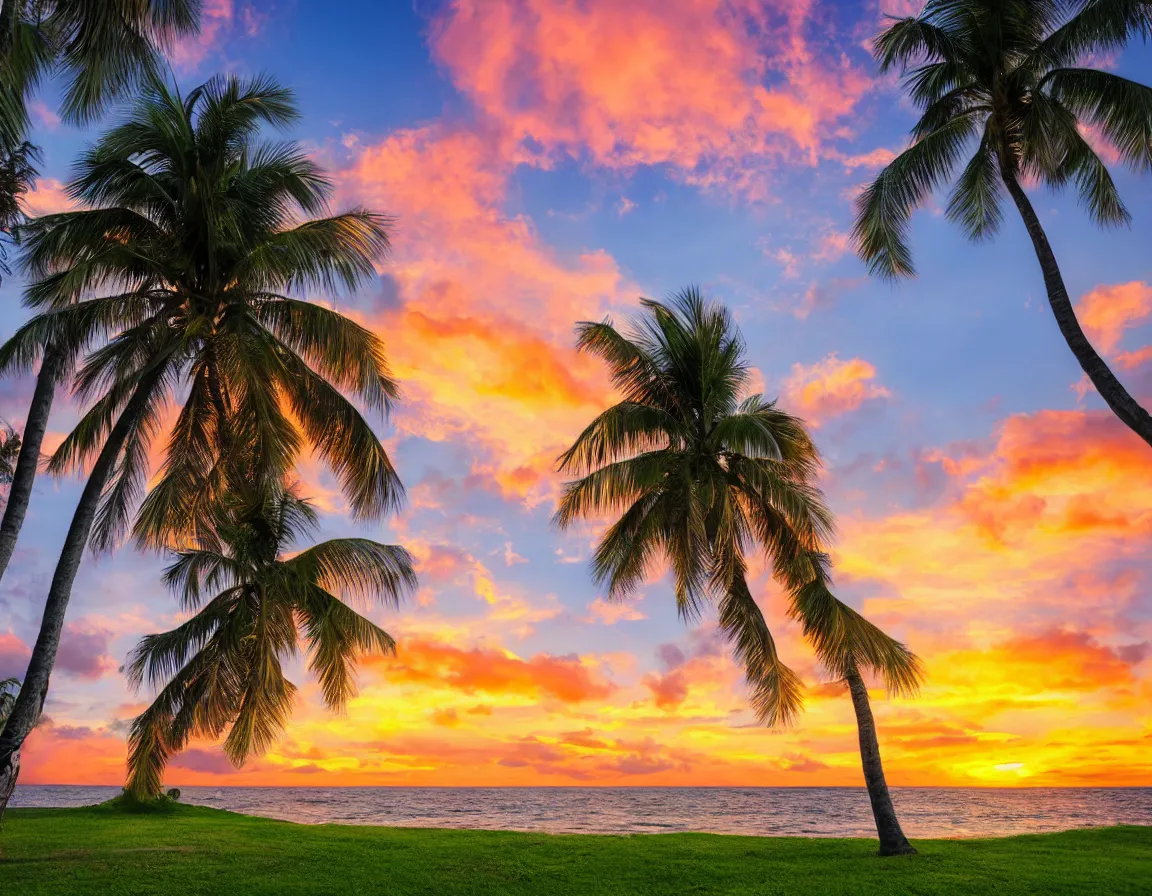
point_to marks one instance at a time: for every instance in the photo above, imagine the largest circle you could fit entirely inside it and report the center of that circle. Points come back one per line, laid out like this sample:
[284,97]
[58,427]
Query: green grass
[190,850]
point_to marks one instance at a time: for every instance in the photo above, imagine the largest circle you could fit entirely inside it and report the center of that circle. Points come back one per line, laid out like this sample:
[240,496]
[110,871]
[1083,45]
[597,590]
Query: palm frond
[614,486]
[623,430]
[975,202]
[344,439]
[1119,108]
[1098,26]
[844,639]
[350,356]
[336,636]
[777,694]
[358,568]
[884,208]
[913,40]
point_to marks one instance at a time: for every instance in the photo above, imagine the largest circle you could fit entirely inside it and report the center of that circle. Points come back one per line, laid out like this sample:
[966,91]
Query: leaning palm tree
[177,281]
[1004,80]
[101,51]
[222,670]
[695,475]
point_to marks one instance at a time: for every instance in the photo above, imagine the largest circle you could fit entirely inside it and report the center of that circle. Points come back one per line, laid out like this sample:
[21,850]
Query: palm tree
[1003,79]
[175,279]
[222,670]
[696,476]
[102,51]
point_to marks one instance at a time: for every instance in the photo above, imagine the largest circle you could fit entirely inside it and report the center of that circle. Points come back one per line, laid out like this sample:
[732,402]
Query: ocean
[776,811]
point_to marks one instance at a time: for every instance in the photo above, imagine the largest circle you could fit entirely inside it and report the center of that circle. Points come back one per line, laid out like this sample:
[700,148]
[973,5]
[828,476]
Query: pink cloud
[48,196]
[710,87]
[831,246]
[873,159]
[219,21]
[43,115]
[1107,311]
[83,651]
[611,612]
[829,388]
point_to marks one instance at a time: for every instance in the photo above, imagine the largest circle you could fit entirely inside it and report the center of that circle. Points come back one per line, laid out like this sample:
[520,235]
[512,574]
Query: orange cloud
[72,754]
[1066,660]
[708,86]
[479,328]
[829,388]
[1107,311]
[1061,492]
[490,671]
[669,690]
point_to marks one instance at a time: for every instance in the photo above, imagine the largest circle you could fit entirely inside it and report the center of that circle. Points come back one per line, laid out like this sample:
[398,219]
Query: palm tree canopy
[253,602]
[182,275]
[1004,83]
[101,50]
[696,473]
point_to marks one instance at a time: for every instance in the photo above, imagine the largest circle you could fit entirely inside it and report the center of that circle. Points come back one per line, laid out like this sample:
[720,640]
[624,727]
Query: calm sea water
[811,812]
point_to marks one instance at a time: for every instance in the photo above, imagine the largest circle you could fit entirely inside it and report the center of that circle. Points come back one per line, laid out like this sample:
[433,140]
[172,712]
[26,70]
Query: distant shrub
[173,794]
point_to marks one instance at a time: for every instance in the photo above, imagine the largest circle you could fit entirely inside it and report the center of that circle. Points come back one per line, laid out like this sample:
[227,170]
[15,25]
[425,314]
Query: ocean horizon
[926,812]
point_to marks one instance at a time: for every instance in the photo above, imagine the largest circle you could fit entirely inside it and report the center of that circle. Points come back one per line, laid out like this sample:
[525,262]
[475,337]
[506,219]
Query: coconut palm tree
[177,280]
[695,474]
[101,51]
[1004,83]
[223,669]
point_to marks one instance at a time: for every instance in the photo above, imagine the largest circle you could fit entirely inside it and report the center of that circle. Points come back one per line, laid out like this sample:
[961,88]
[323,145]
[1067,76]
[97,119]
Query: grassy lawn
[104,850]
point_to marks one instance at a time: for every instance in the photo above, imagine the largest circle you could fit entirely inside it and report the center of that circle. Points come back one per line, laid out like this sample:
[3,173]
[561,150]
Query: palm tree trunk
[31,441]
[34,688]
[892,839]
[1111,390]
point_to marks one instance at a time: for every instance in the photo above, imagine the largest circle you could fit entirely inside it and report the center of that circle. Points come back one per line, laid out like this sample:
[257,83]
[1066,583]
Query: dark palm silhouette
[696,474]
[1002,83]
[191,242]
[222,670]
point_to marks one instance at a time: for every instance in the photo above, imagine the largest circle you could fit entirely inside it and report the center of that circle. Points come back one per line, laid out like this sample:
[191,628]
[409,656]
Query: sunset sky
[549,161]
